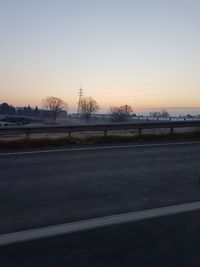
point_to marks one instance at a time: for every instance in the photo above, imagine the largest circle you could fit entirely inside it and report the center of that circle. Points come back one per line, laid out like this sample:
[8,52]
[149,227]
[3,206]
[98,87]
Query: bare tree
[88,106]
[122,113]
[54,106]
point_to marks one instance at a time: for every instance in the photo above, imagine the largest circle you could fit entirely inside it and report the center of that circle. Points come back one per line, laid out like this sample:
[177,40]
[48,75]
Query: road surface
[172,241]
[42,189]
[49,188]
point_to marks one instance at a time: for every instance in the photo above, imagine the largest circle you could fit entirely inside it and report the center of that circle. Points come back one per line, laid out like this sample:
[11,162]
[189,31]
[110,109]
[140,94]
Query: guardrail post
[140,131]
[105,133]
[69,134]
[171,130]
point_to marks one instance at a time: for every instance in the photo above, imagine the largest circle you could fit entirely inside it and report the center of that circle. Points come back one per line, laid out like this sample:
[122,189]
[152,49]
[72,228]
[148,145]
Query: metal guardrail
[27,130]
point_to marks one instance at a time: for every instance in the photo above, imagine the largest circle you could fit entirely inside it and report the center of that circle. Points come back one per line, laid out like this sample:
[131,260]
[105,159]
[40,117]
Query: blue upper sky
[145,53]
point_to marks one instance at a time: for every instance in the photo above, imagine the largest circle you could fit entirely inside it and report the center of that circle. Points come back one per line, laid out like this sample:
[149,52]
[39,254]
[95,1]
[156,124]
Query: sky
[144,53]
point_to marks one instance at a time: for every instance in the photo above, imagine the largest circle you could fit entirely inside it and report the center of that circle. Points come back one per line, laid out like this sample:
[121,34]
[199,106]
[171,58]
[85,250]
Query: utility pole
[80,100]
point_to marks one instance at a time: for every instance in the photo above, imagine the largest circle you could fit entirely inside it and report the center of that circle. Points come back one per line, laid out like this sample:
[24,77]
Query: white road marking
[67,228]
[97,148]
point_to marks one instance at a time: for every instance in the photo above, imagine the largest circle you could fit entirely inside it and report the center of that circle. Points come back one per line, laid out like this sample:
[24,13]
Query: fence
[106,118]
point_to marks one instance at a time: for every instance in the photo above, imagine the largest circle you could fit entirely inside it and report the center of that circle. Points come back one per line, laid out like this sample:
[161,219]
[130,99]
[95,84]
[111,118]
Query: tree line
[87,107]
[53,106]
[6,109]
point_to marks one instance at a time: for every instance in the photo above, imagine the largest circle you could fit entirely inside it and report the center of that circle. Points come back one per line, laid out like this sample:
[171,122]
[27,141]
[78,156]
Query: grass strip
[25,143]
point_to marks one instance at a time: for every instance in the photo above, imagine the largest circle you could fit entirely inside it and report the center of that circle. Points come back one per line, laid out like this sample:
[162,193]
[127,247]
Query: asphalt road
[42,189]
[172,241]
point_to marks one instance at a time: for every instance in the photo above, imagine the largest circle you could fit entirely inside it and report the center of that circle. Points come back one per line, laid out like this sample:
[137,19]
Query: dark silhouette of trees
[6,109]
[28,111]
[9,110]
[88,106]
[36,112]
[54,106]
[122,113]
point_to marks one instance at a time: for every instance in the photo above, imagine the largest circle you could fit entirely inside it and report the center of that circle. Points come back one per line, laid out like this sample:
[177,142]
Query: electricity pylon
[80,100]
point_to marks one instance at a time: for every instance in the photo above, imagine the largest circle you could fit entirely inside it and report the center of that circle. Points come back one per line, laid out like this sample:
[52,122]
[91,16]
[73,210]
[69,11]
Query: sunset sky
[145,53]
